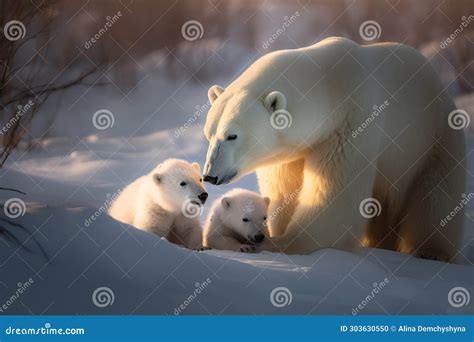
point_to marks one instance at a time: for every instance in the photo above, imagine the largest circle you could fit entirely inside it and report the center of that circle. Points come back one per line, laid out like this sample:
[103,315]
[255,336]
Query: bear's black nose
[210,179]
[203,197]
[259,238]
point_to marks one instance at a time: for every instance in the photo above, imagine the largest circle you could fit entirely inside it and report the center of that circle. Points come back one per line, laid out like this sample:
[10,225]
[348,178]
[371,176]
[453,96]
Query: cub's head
[176,183]
[245,212]
[244,133]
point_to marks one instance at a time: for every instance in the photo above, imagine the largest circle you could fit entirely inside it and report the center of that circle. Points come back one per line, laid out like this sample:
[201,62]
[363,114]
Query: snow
[78,168]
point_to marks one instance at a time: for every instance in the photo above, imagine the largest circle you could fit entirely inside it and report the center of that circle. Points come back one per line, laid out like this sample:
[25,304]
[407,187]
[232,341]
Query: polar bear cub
[166,202]
[236,221]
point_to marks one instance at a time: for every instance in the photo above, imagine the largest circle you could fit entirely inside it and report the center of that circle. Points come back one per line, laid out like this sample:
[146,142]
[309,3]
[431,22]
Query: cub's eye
[245,219]
[182,183]
[265,218]
[200,179]
[231,137]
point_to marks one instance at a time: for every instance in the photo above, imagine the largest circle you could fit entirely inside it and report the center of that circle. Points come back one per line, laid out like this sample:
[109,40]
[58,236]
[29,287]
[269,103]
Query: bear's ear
[275,101]
[267,200]
[196,166]
[214,92]
[157,178]
[225,201]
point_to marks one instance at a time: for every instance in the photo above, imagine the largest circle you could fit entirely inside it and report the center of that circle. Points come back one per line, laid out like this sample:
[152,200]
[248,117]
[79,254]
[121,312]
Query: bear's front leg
[282,183]
[154,223]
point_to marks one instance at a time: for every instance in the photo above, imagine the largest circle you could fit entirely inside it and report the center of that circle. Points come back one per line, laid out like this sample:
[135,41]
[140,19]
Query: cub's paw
[431,254]
[202,249]
[247,249]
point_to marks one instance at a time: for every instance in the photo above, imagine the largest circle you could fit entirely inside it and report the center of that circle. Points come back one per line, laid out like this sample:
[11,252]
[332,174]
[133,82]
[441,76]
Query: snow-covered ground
[79,168]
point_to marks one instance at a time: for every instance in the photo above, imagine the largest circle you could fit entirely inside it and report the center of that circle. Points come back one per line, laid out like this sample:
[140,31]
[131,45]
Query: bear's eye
[182,183]
[245,219]
[265,218]
[231,137]
[200,179]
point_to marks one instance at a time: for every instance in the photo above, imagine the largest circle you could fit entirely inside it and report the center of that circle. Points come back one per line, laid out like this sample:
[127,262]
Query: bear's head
[177,183]
[245,213]
[243,133]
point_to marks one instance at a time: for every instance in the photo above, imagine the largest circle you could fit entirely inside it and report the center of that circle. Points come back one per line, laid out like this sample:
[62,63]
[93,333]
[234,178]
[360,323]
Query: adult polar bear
[338,157]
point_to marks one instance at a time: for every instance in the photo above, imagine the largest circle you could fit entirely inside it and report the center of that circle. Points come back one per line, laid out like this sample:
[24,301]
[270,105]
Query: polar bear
[359,136]
[236,221]
[166,202]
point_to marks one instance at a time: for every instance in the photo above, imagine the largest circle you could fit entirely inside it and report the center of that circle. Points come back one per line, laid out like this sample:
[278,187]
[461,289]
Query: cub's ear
[157,178]
[225,201]
[275,101]
[196,166]
[214,92]
[267,200]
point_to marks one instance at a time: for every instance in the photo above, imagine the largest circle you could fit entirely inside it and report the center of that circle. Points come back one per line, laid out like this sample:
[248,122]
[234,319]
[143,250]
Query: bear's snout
[210,179]
[259,238]
[203,197]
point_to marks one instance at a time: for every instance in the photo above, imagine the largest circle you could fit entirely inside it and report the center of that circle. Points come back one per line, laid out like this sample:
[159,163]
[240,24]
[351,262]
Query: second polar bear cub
[166,202]
[236,221]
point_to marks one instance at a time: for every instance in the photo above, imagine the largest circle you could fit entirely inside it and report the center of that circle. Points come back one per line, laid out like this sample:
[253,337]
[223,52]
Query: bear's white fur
[236,221]
[338,148]
[165,202]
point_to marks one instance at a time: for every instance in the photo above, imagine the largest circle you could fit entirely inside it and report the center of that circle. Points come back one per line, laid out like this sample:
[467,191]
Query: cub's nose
[210,179]
[203,197]
[259,237]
